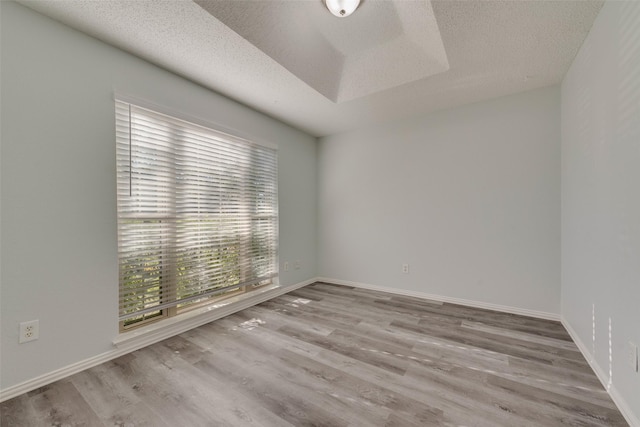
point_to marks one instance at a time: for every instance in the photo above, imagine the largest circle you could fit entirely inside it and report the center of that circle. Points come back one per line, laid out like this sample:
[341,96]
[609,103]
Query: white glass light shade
[342,8]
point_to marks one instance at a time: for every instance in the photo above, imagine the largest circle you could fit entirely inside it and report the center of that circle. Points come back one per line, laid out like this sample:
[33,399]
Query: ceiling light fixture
[342,8]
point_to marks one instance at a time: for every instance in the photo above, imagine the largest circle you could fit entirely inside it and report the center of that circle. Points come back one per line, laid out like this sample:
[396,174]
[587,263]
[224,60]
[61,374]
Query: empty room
[319,213]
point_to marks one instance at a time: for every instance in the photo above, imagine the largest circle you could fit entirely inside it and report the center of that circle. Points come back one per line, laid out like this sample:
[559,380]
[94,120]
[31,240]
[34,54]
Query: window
[197,214]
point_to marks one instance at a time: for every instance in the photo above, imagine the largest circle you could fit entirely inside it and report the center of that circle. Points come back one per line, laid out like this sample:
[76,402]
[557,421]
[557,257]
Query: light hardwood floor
[328,355]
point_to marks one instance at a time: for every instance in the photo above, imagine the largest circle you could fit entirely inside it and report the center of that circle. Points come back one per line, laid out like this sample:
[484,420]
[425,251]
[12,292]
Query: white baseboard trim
[127,344]
[620,402]
[441,298]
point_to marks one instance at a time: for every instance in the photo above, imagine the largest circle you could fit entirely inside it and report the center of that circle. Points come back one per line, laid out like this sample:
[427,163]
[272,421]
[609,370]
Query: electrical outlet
[29,331]
[286,266]
[405,268]
[632,356]
[297,265]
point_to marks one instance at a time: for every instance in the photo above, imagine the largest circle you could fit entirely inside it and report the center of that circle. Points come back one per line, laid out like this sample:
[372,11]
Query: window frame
[168,279]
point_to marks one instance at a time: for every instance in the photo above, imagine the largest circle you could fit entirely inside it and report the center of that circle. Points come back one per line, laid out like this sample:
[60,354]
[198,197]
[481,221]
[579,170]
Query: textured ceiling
[343,59]
[387,61]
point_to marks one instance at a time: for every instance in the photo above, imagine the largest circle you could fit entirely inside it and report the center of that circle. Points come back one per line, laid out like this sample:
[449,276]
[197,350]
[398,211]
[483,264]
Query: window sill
[147,335]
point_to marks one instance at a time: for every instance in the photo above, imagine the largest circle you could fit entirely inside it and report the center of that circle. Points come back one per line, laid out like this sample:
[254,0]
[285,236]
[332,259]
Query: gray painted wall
[469,197]
[601,196]
[59,253]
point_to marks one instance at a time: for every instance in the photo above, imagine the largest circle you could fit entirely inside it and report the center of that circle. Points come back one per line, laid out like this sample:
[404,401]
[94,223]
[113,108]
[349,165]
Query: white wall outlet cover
[29,331]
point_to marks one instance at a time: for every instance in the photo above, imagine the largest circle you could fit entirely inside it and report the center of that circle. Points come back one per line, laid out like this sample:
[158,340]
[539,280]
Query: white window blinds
[197,212]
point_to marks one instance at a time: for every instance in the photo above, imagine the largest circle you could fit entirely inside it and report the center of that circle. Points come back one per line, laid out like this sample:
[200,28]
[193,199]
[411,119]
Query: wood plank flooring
[328,355]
